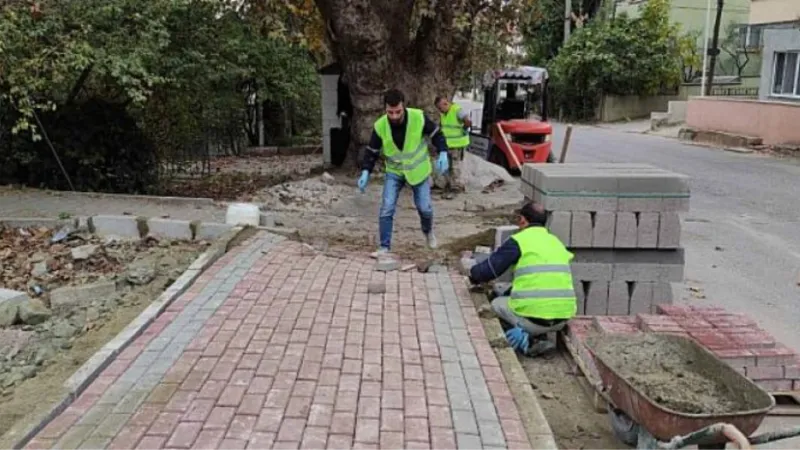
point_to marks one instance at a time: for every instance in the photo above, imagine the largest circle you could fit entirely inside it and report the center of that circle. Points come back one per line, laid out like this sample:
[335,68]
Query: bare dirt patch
[39,351]
[566,406]
[240,177]
[330,207]
[669,373]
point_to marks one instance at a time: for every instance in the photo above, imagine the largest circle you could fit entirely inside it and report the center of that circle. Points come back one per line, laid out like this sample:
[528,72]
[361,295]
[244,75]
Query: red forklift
[514,128]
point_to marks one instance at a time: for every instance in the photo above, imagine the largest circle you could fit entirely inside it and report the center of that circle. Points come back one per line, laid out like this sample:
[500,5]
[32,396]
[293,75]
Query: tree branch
[76,88]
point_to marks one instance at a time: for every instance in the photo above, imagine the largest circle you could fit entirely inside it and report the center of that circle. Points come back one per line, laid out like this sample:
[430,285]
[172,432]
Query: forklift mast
[515,79]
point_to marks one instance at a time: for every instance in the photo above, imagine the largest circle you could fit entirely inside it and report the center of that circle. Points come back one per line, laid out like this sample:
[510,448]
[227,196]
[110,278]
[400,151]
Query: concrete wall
[774,122]
[776,40]
[329,118]
[614,108]
[769,11]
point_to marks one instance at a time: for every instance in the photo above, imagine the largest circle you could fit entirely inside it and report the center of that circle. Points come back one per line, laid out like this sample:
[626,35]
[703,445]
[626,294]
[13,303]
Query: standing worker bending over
[454,122]
[399,136]
[542,295]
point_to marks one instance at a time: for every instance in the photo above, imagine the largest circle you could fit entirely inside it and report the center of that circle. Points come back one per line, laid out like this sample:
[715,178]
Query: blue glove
[442,164]
[519,339]
[362,180]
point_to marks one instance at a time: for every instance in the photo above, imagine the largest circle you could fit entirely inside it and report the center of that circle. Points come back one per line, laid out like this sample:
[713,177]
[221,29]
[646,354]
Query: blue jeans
[392,186]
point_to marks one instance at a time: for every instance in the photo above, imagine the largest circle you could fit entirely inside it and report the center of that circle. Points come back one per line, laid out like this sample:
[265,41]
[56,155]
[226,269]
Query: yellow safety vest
[452,128]
[413,162]
[542,286]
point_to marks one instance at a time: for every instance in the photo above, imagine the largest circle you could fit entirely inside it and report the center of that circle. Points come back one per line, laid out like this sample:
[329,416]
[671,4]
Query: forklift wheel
[551,158]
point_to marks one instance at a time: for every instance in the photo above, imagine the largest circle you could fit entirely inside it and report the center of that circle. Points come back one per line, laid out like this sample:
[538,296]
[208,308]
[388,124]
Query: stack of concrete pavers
[622,223]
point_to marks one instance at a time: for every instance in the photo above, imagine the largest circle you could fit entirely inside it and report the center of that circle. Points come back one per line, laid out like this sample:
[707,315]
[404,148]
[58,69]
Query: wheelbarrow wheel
[625,429]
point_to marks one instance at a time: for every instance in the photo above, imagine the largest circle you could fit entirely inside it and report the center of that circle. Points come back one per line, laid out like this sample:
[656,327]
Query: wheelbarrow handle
[731,433]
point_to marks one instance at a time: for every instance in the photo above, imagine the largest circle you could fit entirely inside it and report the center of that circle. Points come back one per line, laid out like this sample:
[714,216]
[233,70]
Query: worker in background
[399,135]
[454,122]
[542,298]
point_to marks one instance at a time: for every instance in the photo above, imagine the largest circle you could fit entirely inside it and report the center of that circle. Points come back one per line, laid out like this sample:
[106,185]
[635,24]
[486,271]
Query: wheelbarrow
[641,422]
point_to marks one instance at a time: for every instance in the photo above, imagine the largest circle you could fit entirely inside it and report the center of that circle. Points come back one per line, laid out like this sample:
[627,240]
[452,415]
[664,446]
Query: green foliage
[189,72]
[622,56]
[691,62]
[543,29]
[99,143]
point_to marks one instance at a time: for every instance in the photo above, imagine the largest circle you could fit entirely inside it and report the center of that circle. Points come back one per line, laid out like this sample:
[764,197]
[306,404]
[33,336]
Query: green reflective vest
[413,162]
[452,128]
[542,286]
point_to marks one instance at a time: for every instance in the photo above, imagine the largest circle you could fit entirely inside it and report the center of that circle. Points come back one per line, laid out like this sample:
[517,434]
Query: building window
[785,74]
[750,36]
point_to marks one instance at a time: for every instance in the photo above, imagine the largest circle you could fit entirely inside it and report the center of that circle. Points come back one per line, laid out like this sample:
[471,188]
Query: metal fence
[746,92]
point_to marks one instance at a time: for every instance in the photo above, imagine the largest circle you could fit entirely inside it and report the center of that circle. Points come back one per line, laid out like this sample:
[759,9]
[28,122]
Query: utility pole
[714,47]
[705,49]
[567,19]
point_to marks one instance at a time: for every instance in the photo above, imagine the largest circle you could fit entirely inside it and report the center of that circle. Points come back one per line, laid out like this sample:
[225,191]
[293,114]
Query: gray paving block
[640,204]
[593,265]
[662,182]
[642,298]
[596,298]
[485,411]
[618,298]
[501,234]
[676,204]
[124,227]
[170,229]
[662,295]
[626,231]
[581,230]
[491,433]
[468,441]
[529,192]
[208,231]
[577,285]
[647,231]
[604,224]
[669,230]
[574,203]
[578,182]
[464,422]
[649,265]
[560,223]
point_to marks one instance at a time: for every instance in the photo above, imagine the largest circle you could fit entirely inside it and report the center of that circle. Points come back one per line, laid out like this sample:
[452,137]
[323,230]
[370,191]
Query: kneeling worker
[542,297]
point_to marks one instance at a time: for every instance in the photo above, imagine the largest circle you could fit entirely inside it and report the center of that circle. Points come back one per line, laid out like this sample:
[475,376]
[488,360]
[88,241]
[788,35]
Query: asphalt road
[742,233]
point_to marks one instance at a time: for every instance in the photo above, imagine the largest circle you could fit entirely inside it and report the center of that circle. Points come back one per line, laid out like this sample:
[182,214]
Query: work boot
[430,239]
[540,347]
[381,252]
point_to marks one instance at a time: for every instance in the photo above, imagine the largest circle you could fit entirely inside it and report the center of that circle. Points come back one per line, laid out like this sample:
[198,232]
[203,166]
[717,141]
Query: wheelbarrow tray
[664,423]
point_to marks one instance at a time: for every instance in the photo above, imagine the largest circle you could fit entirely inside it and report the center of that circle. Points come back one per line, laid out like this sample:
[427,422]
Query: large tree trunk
[378,48]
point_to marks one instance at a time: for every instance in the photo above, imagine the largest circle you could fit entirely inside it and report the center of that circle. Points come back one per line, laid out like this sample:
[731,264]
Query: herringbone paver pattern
[277,347]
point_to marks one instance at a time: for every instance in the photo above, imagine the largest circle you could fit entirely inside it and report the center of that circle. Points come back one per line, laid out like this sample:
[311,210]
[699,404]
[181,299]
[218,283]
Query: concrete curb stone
[78,382]
[537,428]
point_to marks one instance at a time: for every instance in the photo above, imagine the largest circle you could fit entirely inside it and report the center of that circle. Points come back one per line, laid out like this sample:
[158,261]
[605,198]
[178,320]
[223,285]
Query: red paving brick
[297,354]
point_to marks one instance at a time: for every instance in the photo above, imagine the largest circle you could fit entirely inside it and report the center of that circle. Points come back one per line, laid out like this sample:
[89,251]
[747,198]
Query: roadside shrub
[622,56]
[99,143]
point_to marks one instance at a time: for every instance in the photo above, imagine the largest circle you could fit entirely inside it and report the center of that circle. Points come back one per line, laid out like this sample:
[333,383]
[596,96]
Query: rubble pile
[58,284]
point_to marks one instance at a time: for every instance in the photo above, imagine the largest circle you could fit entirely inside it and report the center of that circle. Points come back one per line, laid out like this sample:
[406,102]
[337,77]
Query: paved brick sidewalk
[277,347]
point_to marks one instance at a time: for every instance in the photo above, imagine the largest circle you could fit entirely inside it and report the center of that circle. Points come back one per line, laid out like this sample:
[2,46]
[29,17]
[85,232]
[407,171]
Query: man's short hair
[393,97]
[438,99]
[534,213]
